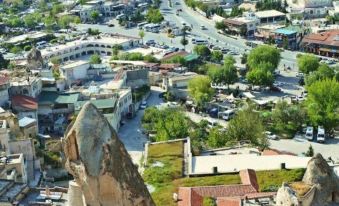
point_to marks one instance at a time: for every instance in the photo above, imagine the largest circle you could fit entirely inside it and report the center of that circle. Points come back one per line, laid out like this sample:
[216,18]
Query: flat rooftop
[269,13]
[71,65]
[23,37]
[235,163]
[104,39]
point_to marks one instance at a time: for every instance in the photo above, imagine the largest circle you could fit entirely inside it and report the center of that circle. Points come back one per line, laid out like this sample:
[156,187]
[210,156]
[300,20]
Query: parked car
[309,133]
[202,27]
[227,115]
[321,134]
[213,112]
[143,105]
[271,136]
[212,123]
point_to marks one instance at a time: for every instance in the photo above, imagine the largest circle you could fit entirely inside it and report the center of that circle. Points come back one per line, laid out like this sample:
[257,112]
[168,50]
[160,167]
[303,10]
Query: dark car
[213,112]
[275,89]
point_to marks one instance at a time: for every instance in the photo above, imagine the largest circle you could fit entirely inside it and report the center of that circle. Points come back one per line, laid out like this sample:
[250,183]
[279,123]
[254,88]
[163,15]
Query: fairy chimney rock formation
[100,163]
[324,184]
[34,59]
[320,174]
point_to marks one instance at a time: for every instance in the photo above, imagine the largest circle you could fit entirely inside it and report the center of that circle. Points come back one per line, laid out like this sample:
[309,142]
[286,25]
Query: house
[12,167]
[108,107]
[286,38]
[4,136]
[245,25]
[24,106]
[74,71]
[55,107]
[270,17]
[102,45]
[324,43]
[4,85]
[29,86]
[308,8]
[137,77]
[224,195]
[29,127]
[177,83]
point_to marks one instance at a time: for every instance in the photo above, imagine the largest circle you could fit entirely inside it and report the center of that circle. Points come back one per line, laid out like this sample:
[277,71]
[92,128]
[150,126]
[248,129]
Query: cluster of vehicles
[319,135]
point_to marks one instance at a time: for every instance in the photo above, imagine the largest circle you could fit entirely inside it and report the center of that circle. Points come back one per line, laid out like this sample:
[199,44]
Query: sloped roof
[330,38]
[25,102]
[98,103]
[48,97]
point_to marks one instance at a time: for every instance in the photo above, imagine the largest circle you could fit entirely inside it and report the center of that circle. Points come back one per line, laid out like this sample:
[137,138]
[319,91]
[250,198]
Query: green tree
[94,16]
[168,123]
[15,50]
[200,90]
[65,21]
[116,48]
[154,16]
[95,59]
[217,137]
[57,8]
[216,56]
[55,60]
[323,72]
[310,152]
[307,63]
[263,54]
[32,20]
[49,22]
[220,25]
[323,103]
[202,51]
[229,71]
[142,35]
[261,76]
[247,126]
[287,118]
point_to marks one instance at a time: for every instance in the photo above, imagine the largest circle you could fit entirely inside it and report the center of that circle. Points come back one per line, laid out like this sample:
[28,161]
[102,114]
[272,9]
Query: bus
[199,41]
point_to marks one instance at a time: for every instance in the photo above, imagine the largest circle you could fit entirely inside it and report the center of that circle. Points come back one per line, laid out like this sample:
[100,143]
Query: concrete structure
[12,167]
[73,71]
[245,25]
[4,137]
[29,86]
[4,85]
[29,127]
[270,17]
[27,38]
[102,45]
[177,83]
[325,43]
[309,8]
[105,9]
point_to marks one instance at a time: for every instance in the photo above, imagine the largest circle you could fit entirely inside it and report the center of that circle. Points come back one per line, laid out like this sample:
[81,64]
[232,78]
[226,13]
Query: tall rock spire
[100,163]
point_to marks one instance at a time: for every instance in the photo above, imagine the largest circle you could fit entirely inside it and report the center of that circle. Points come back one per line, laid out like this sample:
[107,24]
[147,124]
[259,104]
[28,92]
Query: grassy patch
[168,179]
[272,180]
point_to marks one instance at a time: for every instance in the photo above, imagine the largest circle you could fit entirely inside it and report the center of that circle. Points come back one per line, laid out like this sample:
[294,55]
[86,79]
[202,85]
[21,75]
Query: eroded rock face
[320,174]
[286,196]
[100,163]
[34,59]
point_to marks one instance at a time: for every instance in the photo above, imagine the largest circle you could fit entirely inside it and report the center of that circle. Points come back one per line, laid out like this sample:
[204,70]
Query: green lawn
[168,178]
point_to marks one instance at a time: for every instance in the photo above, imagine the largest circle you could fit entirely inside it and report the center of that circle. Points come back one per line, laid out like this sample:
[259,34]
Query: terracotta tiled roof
[276,152]
[193,196]
[230,201]
[179,53]
[24,102]
[330,38]
[248,177]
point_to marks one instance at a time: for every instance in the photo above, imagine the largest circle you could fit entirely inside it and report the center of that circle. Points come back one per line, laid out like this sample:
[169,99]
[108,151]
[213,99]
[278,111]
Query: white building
[29,86]
[248,23]
[73,71]
[101,45]
[105,9]
[4,137]
[309,8]
[270,17]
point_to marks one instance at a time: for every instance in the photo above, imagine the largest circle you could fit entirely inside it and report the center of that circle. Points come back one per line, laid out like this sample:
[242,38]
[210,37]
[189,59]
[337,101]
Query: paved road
[300,145]
[130,133]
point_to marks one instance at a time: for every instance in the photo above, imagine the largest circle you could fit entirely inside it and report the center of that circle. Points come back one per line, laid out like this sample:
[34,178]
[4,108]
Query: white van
[141,25]
[309,133]
[212,123]
[321,134]
[227,115]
